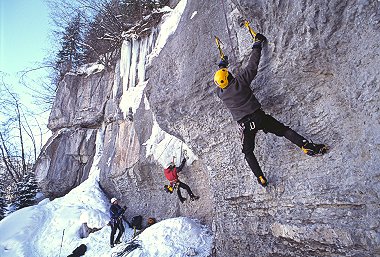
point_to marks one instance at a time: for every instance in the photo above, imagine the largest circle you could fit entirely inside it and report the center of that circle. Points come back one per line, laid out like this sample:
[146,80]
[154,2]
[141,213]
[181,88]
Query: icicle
[125,63]
[141,64]
[134,59]
[132,71]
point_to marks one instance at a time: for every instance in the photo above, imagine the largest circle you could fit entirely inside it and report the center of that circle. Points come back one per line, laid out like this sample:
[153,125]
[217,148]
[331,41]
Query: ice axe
[218,44]
[251,31]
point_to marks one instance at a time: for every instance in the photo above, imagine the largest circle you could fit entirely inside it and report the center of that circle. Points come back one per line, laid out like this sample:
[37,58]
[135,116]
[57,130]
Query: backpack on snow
[137,222]
[79,251]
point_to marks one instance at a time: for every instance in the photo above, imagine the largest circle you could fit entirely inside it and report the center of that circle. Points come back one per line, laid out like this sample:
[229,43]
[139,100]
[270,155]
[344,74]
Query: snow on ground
[51,228]
[175,237]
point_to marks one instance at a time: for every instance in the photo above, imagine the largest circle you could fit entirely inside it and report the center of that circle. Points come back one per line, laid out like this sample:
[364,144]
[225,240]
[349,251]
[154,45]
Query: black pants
[184,186]
[261,121]
[116,225]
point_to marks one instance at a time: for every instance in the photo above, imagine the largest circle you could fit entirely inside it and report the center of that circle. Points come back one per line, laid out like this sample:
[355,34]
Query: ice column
[134,52]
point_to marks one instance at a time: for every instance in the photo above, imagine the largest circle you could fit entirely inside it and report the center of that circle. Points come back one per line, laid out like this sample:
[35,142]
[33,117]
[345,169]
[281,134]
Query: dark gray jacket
[238,96]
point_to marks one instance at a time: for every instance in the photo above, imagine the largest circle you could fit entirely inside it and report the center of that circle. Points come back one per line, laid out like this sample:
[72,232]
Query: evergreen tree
[26,192]
[70,57]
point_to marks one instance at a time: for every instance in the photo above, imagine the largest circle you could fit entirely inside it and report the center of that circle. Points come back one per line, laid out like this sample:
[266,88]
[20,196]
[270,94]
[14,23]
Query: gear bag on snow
[137,222]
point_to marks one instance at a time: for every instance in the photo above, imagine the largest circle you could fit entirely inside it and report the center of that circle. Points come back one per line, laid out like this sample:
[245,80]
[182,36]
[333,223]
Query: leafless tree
[18,146]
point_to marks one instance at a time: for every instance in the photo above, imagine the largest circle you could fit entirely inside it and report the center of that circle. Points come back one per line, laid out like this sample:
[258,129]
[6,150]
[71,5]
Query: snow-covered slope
[52,228]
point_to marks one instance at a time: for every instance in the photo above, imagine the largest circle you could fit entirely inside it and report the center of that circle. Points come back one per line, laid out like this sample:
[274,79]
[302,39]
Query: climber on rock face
[171,173]
[238,97]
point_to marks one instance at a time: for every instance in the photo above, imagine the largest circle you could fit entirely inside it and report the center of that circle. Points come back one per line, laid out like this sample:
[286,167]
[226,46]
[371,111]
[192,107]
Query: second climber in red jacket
[171,173]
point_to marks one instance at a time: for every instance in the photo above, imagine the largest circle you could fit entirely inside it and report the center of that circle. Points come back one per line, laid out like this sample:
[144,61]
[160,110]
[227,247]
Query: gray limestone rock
[81,100]
[319,74]
[65,161]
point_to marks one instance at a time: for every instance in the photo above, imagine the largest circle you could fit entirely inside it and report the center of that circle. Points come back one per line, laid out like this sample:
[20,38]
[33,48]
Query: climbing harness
[168,189]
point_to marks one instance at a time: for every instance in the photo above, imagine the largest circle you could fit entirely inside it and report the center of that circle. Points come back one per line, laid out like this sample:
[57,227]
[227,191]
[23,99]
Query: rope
[228,29]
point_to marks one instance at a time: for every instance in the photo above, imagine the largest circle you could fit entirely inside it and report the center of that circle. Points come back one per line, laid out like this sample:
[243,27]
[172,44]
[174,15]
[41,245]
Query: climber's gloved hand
[183,160]
[223,63]
[259,40]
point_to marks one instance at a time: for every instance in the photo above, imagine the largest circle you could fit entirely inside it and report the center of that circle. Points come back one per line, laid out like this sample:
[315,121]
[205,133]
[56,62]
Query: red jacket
[171,174]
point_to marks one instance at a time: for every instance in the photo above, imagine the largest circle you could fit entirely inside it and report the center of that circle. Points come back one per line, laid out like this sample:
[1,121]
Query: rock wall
[318,74]
[77,113]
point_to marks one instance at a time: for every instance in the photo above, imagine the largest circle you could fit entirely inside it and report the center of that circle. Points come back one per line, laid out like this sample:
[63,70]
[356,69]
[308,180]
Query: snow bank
[173,237]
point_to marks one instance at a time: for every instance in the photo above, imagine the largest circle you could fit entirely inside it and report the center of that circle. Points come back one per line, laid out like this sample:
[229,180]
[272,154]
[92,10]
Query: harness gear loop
[252,125]
[218,44]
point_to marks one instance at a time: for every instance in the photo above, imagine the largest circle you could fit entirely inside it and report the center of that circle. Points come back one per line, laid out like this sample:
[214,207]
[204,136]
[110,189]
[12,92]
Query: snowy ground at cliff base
[52,229]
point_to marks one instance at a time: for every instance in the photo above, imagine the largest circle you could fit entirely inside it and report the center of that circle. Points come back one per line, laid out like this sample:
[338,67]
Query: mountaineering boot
[112,245]
[194,197]
[312,149]
[262,181]
[183,199]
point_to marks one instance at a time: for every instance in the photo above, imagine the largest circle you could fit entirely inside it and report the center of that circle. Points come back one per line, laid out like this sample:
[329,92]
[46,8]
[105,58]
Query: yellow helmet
[221,78]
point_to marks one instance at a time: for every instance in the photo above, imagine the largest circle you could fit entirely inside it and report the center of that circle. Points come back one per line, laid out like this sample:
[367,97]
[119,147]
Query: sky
[24,34]
[24,43]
